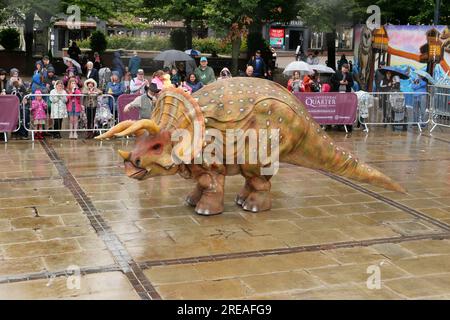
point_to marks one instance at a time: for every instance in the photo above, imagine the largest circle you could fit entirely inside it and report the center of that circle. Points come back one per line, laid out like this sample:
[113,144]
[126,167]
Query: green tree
[98,42]
[190,11]
[10,39]
[404,11]
[238,17]
[325,16]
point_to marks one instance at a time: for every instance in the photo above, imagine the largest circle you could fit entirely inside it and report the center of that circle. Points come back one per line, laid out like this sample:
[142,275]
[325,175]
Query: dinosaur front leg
[211,186]
[256,194]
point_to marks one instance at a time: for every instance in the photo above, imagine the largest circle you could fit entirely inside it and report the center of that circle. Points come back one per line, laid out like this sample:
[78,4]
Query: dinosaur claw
[189,201]
[254,209]
[239,200]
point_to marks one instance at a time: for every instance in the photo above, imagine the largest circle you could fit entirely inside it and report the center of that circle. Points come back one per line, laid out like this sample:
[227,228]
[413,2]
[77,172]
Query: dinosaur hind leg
[255,195]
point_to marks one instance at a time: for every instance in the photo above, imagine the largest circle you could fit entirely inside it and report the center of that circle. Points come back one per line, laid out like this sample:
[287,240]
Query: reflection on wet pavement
[316,243]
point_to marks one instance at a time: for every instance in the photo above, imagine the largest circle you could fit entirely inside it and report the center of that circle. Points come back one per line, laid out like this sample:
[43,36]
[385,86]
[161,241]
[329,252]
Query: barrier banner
[9,113]
[122,101]
[330,107]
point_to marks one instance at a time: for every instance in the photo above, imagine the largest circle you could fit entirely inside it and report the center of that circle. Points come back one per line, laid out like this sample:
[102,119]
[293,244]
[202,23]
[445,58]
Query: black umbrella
[395,72]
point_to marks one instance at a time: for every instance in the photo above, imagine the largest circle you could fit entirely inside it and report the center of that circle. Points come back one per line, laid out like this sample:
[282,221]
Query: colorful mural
[410,48]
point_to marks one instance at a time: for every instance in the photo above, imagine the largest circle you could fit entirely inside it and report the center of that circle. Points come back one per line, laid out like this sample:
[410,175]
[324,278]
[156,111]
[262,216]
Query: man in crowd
[138,84]
[91,72]
[204,73]
[342,80]
[50,79]
[249,71]
[145,101]
[134,64]
[258,64]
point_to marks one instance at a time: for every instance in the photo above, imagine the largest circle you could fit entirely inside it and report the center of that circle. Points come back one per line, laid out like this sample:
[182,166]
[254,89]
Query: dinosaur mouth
[135,172]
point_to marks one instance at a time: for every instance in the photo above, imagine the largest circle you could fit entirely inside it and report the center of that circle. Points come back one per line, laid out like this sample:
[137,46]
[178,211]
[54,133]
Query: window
[344,38]
[316,40]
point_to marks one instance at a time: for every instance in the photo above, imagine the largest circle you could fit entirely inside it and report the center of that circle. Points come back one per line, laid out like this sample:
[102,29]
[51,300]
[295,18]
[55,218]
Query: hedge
[157,43]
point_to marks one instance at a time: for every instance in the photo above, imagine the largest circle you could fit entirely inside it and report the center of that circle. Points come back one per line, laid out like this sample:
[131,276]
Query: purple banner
[330,107]
[122,101]
[9,113]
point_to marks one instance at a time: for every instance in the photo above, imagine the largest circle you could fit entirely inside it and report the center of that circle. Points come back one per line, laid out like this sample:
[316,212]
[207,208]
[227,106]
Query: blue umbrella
[426,75]
[394,71]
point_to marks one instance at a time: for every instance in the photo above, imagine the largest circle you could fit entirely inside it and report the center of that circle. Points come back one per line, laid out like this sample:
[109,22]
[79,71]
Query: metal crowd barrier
[440,106]
[104,118]
[398,109]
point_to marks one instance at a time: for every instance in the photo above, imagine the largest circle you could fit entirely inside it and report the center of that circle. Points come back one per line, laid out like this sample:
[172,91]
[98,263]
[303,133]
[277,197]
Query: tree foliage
[9,39]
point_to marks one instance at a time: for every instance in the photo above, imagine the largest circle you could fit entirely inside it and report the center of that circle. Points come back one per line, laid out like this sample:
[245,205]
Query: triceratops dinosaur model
[237,103]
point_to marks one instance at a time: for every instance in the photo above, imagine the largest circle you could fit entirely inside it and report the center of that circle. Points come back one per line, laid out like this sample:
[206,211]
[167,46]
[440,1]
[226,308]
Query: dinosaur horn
[137,127]
[124,154]
[116,129]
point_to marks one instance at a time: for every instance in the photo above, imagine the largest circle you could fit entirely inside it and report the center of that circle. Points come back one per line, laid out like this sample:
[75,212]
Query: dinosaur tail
[317,151]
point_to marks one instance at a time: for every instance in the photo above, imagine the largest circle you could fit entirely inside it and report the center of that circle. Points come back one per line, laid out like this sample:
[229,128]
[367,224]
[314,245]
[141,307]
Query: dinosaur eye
[157,146]
[138,162]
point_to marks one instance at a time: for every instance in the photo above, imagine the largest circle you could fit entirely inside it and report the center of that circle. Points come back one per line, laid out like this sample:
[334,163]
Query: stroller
[397,106]
[365,101]
[103,117]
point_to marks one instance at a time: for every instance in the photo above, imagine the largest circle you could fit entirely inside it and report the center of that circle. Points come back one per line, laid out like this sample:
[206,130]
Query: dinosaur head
[151,155]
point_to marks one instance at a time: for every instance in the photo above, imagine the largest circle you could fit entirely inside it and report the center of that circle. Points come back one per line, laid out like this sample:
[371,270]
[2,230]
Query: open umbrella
[193,52]
[426,75]
[300,66]
[395,72]
[172,55]
[75,63]
[320,68]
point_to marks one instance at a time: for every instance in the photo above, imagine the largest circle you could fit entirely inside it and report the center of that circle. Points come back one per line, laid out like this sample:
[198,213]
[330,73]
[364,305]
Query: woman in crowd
[307,84]
[58,98]
[3,82]
[73,107]
[115,88]
[37,83]
[295,83]
[97,61]
[224,74]
[158,79]
[193,83]
[90,102]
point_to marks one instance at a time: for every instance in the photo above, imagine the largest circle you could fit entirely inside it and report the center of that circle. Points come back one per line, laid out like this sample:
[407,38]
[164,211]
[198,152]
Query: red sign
[276,38]
[9,113]
[276,33]
[330,107]
[122,101]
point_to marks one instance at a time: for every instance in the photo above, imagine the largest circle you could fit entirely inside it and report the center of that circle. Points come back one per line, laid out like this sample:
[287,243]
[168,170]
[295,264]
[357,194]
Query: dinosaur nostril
[138,162]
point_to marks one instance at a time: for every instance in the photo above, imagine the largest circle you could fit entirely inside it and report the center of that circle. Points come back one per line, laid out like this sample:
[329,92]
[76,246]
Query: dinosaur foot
[209,206]
[193,198]
[257,201]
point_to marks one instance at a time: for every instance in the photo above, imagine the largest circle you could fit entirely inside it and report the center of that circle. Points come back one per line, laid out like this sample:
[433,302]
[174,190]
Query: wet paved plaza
[66,208]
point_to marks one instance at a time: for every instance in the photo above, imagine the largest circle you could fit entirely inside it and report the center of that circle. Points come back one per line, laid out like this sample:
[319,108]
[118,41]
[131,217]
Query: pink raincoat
[38,108]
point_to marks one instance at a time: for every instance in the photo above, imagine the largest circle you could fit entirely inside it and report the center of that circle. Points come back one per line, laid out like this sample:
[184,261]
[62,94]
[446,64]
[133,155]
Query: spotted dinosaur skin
[236,103]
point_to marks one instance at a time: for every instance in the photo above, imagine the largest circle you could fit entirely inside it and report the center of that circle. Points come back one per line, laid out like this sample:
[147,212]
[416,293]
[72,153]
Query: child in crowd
[73,107]
[38,108]
[58,98]
[175,78]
